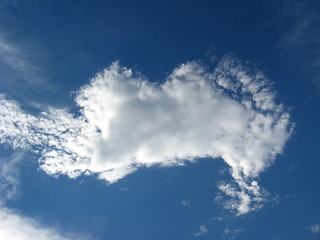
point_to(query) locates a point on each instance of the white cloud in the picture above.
(16, 227)
(315, 228)
(127, 122)
(202, 230)
(186, 203)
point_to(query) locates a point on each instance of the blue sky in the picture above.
(159, 120)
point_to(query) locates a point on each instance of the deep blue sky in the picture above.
(68, 42)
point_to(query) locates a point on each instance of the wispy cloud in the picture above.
(231, 233)
(13, 226)
(315, 228)
(301, 37)
(127, 122)
(186, 203)
(9, 177)
(202, 230)
(16, 66)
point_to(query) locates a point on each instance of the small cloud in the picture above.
(315, 228)
(242, 199)
(202, 230)
(186, 203)
(211, 54)
(231, 233)
(216, 219)
(223, 170)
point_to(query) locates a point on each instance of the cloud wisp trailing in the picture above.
(9, 177)
(14, 226)
(301, 41)
(15, 66)
(127, 122)
(202, 230)
(315, 228)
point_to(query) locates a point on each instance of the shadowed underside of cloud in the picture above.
(127, 122)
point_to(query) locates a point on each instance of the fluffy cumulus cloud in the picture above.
(127, 122)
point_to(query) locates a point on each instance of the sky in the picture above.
(159, 120)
